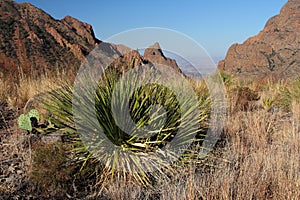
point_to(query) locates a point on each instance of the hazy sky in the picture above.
(215, 24)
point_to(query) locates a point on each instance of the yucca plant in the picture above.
(289, 94)
(136, 126)
(226, 78)
(267, 103)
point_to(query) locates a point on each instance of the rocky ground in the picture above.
(14, 155)
(6, 116)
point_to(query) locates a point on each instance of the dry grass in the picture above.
(16, 91)
(264, 151)
(260, 158)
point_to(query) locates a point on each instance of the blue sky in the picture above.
(215, 24)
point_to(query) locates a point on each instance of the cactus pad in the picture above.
(34, 113)
(24, 122)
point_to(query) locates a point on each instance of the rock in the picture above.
(7, 115)
(128, 61)
(154, 54)
(83, 29)
(32, 41)
(121, 48)
(19, 172)
(153, 57)
(51, 138)
(274, 52)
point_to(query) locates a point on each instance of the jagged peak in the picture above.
(70, 19)
(153, 52)
(155, 46)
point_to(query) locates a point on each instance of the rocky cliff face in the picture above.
(275, 51)
(128, 60)
(155, 55)
(30, 39)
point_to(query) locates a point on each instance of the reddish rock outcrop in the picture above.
(275, 51)
(83, 29)
(32, 40)
(155, 55)
(129, 60)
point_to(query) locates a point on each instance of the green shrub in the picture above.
(289, 94)
(226, 78)
(267, 103)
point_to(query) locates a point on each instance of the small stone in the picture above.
(19, 172)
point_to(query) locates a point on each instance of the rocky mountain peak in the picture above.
(32, 40)
(85, 30)
(275, 51)
(155, 46)
(127, 61)
(155, 55)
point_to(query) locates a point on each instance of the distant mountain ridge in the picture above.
(274, 52)
(153, 55)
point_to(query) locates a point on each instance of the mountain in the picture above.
(153, 56)
(30, 39)
(274, 52)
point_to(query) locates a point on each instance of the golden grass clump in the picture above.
(16, 91)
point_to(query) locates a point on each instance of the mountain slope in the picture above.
(153, 56)
(31, 39)
(275, 51)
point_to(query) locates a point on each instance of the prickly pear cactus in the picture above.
(24, 122)
(34, 113)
